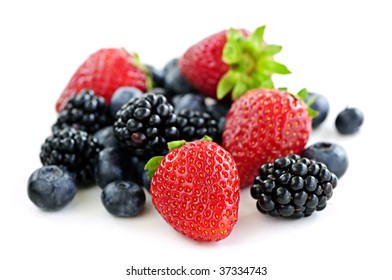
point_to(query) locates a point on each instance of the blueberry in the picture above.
(332, 155)
(174, 80)
(114, 163)
(219, 111)
(121, 96)
(192, 101)
(51, 188)
(321, 105)
(349, 121)
(141, 174)
(123, 198)
(157, 75)
(106, 137)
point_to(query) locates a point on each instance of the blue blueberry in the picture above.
(175, 82)
(193, 101)
(106, 137)
(142, 179)
(123, 198)
(332, 155)
(349, 121)
(114, 163)
(157, 75)
(219, 111)
(121, 96)
(321, 105)
(51, 188)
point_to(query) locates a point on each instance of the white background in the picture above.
(337, 48)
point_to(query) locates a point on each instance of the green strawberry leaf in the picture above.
(226, 84)
(302, 94)
(206, 138)
(312, 113)
(276, 67)
(152, 165)
(251, 63)
(176, 144)
(272, 50)
(257, 38)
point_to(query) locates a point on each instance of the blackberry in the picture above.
(145, 124)
(73, 149)
(84, 111)
(293, 187)
(194, 124)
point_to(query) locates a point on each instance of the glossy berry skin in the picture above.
(114, 163)
(293, 187)
(174, 80)
(321, 106)
(121, 96)
(106, 138)
(73, 149)
(349, 121)
(145, 125)
(104, 72)
(157, 75)
(263, 125)
(332, 155)
(196, 190)
(84, 111)
(194, 124)
(202, 63)
(194, 101)
(51, 188)
(123, 198)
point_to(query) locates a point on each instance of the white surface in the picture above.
(338, 48)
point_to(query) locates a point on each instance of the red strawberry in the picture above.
(105, 71)
(231, 61)
(265, 124)
(195, 188)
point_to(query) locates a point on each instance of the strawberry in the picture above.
(265, 124)
(195, 188)
(105, 71)
(233, 60)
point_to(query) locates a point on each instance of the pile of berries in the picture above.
(191, 135)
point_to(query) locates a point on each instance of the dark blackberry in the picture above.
(145, 124)
(194, 124)
(293, 187)
(73, 149)
(84, 111)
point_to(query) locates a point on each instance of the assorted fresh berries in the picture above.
(233, 60)
(104, 72)
(349, 121)
(212, 124)
(262, 125)
(84, 111)
(73, 149)
(293, 187)
(195, 188)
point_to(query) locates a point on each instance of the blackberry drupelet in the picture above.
(84, 111)
(145, 124)
(194, 124)
(293, 187)
(73, 149)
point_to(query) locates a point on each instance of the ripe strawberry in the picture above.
(105, 71)
(231, 61)
(265, 124)
(195, 188)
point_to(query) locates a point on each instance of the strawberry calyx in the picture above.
(154, 162)
(250, 61)
(137, 62)
(302, 95)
